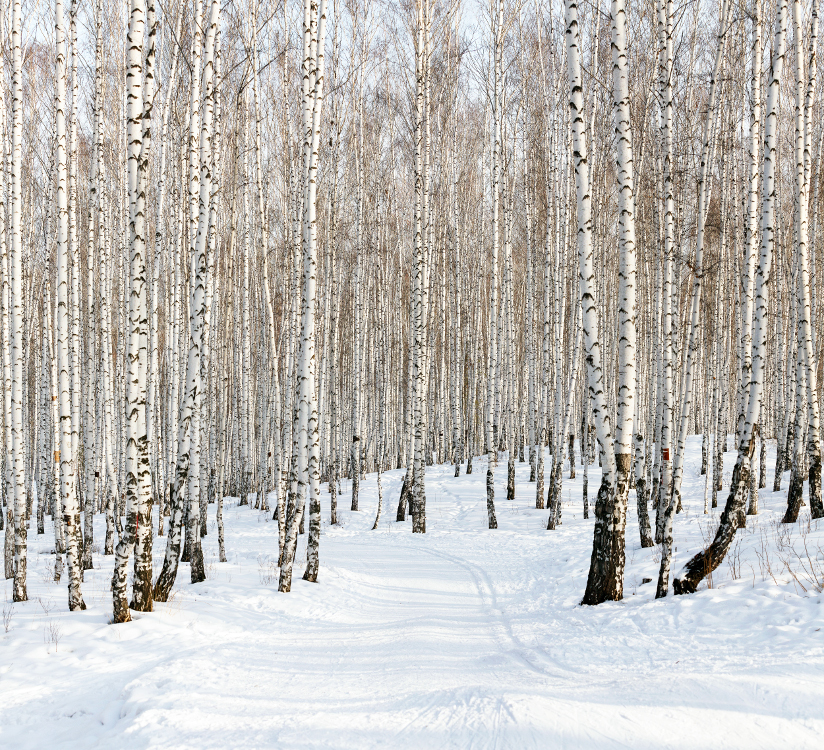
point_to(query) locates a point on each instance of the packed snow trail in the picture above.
(460, 638)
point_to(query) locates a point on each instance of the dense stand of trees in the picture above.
(250, 246)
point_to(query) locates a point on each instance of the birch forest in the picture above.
(283, 260)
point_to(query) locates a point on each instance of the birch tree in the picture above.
(703, 563)
(69, 503)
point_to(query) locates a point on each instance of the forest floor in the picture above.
(459, 638)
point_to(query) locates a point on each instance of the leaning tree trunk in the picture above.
(188, 424)
(707, 149)
(703, 563)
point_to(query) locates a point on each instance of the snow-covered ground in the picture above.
(460, 638)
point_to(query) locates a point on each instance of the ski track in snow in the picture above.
(459, 638)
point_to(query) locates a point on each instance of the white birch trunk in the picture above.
(703, 563)
(71, 511)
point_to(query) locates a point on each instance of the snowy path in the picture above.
(462, 638)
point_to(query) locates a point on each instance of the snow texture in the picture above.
(459, 638)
